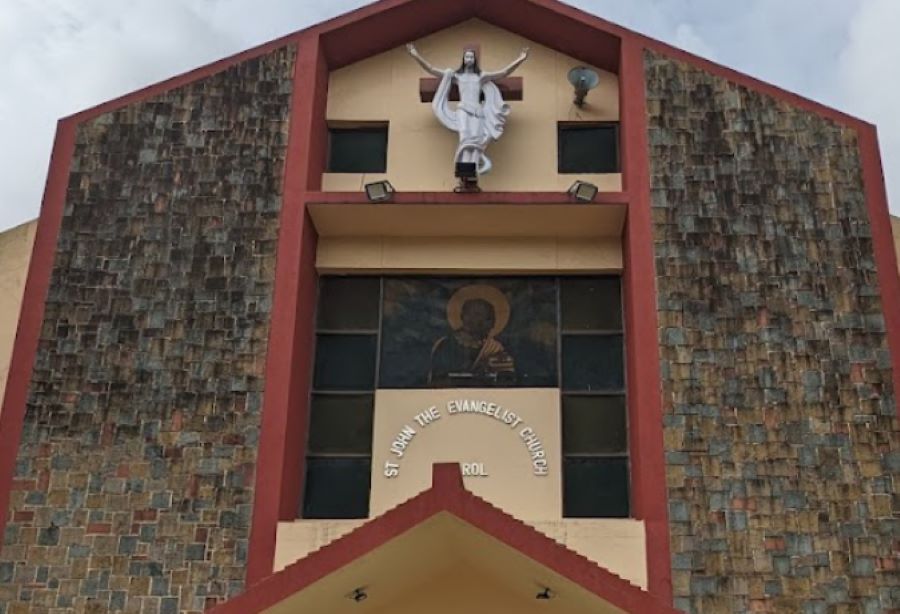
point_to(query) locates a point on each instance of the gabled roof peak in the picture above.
(447, 495)
(387, 24)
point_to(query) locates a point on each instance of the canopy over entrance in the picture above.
(445, 550)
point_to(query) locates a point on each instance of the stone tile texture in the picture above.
(135, 475)
(781, 426)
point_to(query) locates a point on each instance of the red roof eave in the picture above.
(447, 494)
(385, 24)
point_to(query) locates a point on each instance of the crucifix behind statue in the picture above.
(480, 116)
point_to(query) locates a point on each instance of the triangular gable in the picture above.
(447, 495)
(386, 24)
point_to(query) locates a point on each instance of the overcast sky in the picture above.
(61, 56)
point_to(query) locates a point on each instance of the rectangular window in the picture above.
(457, 332)
(595, 487)
(586, 147)
(594, 412)
(337, 487)
(339, 449)
(361, 149)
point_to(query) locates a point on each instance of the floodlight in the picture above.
(379, 191)
(583, 192)
(358, 595)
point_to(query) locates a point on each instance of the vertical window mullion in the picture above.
(596, 468)
(339, 448)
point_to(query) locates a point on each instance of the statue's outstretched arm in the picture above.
(505, 72)
(423, 62)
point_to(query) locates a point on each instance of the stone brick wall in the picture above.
(781, 434)
(134, 479)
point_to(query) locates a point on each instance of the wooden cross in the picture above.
(510, 87)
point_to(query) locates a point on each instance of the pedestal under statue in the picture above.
(480, 116)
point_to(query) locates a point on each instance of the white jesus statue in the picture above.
(477, 123)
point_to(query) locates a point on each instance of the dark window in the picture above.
(345, 362)
(341, 424)
(349, 303)
(593, 362)
(432, 332)
(594, 424)
(342, 403)
(337, 487)
(595, 419)
(595, 488)
(358, 150)
(588, 148)
(590, 303)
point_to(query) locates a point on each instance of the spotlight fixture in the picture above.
(467, 173)
(358, 595)
(583, 192)
(583, 79)
(379, 191)
(466, 170)
(544, 594)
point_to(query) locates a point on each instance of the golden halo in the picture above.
(486, 293)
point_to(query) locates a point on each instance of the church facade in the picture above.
(470, 306)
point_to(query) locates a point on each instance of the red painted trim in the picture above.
(480, 198)
(748, 81)
(446, 494)
(31, 316)
(186, 78)
(362, 33)
(279, 469)
(390, 23)
(316, 121)
(648, 469)
(387, 24)
(883, 245)
(561, 27)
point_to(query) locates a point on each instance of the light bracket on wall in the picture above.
(379, 191)
(583, 192)
(358, 595)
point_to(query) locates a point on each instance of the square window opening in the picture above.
(358, 149)
(588, 147)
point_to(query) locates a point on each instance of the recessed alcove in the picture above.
(392, 89)
(532, 238)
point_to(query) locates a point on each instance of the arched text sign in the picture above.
(429, 418)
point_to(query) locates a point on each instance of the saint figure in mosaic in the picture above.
(471, 355)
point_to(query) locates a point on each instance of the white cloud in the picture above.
(843, 53)
(61, 56)
(868, 80)
(687, 38)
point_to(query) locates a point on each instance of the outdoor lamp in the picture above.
(583, 79)
(359, 594)
(583, 192)
(379, 191)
